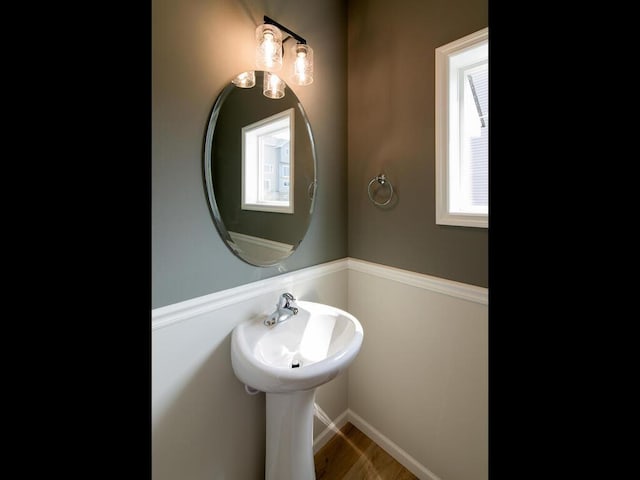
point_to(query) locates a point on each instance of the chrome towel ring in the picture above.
(382, 180)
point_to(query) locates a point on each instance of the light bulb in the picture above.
(267, 45)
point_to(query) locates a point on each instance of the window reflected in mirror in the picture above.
(267, 164)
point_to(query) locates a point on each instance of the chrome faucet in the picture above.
(284, 309)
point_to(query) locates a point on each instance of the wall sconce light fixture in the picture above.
(269, 53)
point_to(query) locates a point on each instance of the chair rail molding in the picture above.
(164, 316)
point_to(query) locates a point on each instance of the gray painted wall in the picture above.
(391, 122)
(197, 48)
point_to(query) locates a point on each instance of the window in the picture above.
(462, 131)
(267, 164)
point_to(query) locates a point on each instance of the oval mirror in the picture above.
(260, 172)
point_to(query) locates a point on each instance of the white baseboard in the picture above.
(406, 460)
(410, 463)
(328, 433)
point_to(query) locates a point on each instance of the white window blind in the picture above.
(476, 165)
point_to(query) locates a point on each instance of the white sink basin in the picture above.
(301, 353)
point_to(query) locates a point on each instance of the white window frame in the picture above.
(446, 129)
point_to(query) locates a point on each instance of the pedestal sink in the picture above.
(288, 361)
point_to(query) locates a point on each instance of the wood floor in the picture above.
(351, 455)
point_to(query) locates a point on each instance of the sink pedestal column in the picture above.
(289, 449)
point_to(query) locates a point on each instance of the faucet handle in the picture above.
(283, 303)
(284, 300)
(287, 297)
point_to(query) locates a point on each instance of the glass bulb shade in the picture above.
(269, 49)
(245, 79)
(272, 86)
(302, 59)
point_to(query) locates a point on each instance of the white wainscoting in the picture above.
(177, 312)
(419, 384)
(463, 291)
(204, 424)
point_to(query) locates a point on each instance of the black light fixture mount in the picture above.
(271, 21)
